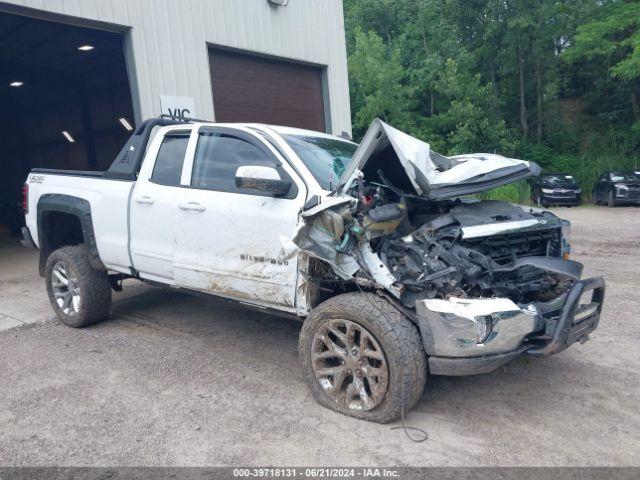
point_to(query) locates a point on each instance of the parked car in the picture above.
(395, 275)
(556, 189)
(617, 188)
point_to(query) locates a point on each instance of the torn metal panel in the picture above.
(325, 203)
(410, 165)
(378, 270)
(320, 237)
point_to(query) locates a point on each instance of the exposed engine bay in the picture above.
(424, 249)
(390, 227)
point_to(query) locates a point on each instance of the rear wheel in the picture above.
(79, 294)
(362, 357)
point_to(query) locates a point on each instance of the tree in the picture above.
(525, 76)
(612, 40)
(376, 83)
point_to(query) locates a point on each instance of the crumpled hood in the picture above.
(389, 156)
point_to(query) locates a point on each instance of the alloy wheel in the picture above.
(349, 364)
(65, 289)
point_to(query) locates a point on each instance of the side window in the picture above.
(168, 167)
(218, 156)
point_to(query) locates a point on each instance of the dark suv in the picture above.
(615, 188)
(556, 189)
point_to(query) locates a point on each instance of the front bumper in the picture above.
(551, 199)
(627, 199)
(453, 331)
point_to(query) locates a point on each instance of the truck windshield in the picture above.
(326, 158)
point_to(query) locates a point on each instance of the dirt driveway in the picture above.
(178, 380)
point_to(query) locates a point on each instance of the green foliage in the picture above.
(376, 84)
(553, 82)
(613, 36)
(519, 192)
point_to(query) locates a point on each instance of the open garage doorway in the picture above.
(65, 99)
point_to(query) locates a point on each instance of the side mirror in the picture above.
(262, 179)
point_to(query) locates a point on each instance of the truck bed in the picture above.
(71, 173)
(108, 198)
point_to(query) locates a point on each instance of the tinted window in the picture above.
(168, 167)
(219, 155)
(558, 180)
(326, 158)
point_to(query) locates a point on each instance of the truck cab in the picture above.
(212, 208)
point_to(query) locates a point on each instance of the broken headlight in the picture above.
(483, 327)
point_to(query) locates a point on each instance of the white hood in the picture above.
(389, 156)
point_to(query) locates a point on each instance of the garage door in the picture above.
(247, 88)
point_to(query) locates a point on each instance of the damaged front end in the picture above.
(485, 281)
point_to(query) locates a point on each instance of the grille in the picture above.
(503, 249)
(633, 193)
(563, 194)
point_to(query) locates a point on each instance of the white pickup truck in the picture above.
(396, 269)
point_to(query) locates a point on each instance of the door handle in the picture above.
(194, 206)
(145, 199)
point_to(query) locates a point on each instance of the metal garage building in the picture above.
(76, 75)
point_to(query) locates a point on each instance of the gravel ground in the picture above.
(178, 380)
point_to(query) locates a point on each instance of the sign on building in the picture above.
(178, 107)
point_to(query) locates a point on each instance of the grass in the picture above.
(518, 192)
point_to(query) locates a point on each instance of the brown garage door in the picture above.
(247, 88)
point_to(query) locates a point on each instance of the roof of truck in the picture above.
(280, 129)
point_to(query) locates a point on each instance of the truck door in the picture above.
(234, 241)
(154, 206)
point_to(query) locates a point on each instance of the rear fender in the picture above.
(74, 206)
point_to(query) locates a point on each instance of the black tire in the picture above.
(92, 287)
(398, 338)
(611, 202)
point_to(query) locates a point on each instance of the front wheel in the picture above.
(362, 357)
(79, 294)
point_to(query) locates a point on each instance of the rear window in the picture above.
(168, 167)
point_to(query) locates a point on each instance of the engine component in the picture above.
(435, 261)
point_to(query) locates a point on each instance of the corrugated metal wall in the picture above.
(169, 40)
